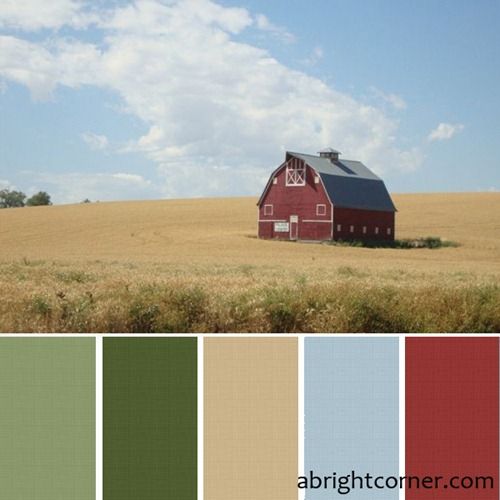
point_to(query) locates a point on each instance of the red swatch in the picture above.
(452, 424)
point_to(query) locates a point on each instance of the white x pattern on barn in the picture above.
(295, 173)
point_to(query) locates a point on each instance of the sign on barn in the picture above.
(281, 227)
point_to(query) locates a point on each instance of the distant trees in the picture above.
(15, 199)
(39, 199)
(11, 199)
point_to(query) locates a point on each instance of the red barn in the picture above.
(324, 198)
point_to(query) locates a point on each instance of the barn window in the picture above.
(351, 229)
(268, 210)
(388, 231)
(339, 227)
(275, 180)
(316, 180)
(376, 230)
(320, 209)
(364, 229)
(295, 173)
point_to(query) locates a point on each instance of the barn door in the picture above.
(294, 227)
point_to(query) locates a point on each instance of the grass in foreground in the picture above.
(42, 297)
(196, 265)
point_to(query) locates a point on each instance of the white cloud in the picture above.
(28, 64)
(315, 57)
(394, 100)
(4, 184)
(132, 178)
(220, 113)
(74, 187)
(279, 32)
(32, 15)
(94, 141)
(153, 17)
(445, 131)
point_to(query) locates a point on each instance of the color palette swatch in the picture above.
(251, 419)
(47, 418)
(452, 405)
(351, 410)
(150, 418)
(240, 418)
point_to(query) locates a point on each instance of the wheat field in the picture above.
(196, 265)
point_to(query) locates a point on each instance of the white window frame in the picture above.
(275, 180)
(389, 231)
(351, 229)
(295, 175)
(321, 209)
(364, 229)
(376, 229)
(266, 209)
(316, 179)
(339, 228)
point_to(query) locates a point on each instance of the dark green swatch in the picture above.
(150, 418)
(47, 418)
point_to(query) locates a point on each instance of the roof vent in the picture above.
(331, 154)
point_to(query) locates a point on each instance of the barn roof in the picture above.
(350, 184)
(344, 168)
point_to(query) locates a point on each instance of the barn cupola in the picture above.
(331, 154)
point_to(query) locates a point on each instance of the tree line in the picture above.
(13, 199)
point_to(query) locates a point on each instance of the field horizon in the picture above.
(197, 265)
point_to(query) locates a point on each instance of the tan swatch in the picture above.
(250, 419)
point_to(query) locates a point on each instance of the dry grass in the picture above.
(195, 265)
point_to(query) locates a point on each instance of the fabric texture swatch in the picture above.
(250, 419)
(452, 426)
(47, 418)
(150, 418)
(351, 407)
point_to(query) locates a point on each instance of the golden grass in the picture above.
(222, 231)
(98, 267)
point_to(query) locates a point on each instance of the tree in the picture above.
(11, 199)
(39, 199)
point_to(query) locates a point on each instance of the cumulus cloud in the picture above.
(28, 64)
(32, 15)
(394, 100)
(315, 57)
(219, 113)
(132, 179)
(4, 184)
(73, 187)
(154, 17)
(279, 32)
(94, 141)
(445, 131)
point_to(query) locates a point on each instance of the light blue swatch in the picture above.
(351, 412)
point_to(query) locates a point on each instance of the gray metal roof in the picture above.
(350, 184)
(348, 168)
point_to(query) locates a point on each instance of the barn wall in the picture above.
(347, 217)
(315, 231)
(296, 200)
(266, 230)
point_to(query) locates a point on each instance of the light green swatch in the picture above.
(47, 418)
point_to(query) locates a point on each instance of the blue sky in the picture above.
(164, 99)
